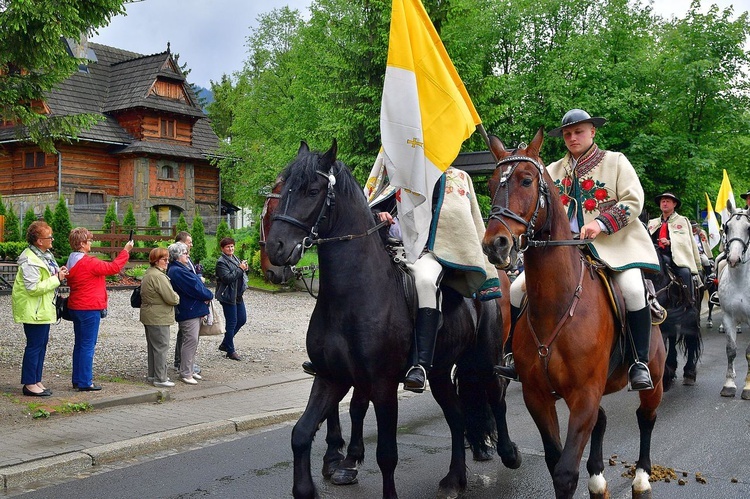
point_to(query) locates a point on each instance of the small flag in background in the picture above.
(425, 116)
(725, 194)
(714, 236)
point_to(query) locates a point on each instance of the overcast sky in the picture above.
(210, 35)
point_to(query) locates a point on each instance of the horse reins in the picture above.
(743, 242)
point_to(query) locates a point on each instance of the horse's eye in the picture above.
(313, 192)
(526, 182)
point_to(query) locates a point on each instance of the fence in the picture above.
(117, 236)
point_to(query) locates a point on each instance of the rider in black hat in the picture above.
(603, 197)
(672, 235)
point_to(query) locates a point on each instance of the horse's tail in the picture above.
(481, 432)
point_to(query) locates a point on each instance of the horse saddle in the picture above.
(395, 249)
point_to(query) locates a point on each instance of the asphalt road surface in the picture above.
(697, 431)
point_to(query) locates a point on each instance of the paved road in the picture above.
(696, 431)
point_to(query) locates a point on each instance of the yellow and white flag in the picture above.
(425, 116)
(714, 235)
(725, 194)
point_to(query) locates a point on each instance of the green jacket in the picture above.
(157, 298)
(33, 299)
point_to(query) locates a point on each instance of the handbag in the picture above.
(61, 307)
(135, 297)
(213, 323)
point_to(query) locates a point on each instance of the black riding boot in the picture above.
(639, 323)
(309, 368)
(425, 336)
(508, 368)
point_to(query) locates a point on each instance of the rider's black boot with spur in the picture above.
(508, 368)
(425, 336)
(639, 323)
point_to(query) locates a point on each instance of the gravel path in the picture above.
(272, 341)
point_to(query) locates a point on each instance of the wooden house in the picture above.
(152, 148)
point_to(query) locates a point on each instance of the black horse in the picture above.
(681, 328)
(361, 328)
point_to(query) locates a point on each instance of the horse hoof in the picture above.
(746, 394)
(710, 324)
(688, 381)
(513, 461)
(646, 494)
(447, 493)
(728, 391)
(344, 476)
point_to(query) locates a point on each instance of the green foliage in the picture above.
(2, 207)
(222, 231)
(12, 227)
(48, 216)
(109, 218)
(11, 250)
(153, 221)
(209, 266)
(199, 250)
(28, 218)
(129, 222)
(255, 266)
(137, 272)
(61, 227)
(182, 224)
(34, 60)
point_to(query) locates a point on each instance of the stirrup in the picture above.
(507, 369)
(414, 385)
(641, 385)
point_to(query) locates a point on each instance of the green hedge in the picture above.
(11, 250)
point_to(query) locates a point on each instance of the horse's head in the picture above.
(307, 211)
(274, 273)
(737, 234)
(520, 199)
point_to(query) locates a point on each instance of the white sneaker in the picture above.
(197, 376)
(189, 381)
(164, 384)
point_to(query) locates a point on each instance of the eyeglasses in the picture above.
(165, 259)
(50, 237)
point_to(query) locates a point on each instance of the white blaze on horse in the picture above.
(735, 303)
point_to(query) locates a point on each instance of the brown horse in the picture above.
(564, 338)
(274, 273)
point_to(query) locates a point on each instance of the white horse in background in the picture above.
(734, 283)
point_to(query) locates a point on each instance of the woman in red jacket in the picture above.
(88, 302)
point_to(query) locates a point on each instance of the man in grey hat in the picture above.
(603, 196)
(746, 197)
(672, 235)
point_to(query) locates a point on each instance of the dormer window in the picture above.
(167, 170)
(168, 128)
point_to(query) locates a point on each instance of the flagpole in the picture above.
(486, 137)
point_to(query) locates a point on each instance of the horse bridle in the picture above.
(525, 240)
(271, 195)
(744, 242)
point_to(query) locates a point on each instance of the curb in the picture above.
(67, 465)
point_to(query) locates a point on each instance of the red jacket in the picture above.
(87, 283)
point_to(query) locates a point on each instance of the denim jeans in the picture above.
(37, 336)
(86, 330)
(236, 317)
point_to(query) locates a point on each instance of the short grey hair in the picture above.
(176, 250)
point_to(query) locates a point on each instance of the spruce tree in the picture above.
(182, 224)
(49, 217)
(12, 227)
(198, 252)
(61, 227)
(109, 217)
(222, 231)
(153, 221)
(28, 218)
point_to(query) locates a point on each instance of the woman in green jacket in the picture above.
(33, 303)
(158, 300)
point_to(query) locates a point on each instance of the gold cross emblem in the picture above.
(414, 143)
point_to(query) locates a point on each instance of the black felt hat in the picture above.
(669, 195)
(745, 195)
(575, 116)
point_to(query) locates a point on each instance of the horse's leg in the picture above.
(730, 388)
(709, 319)
(690, 371)
(335, 441)
(595, 463)
(584, 413)
(671, 363)
(385, 400)
(346, 472)
(746, 388)
(541, 406)
(324, 397)
(506, 448)
(646, 415)
(445, 395)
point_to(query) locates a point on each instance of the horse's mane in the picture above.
(305, 167)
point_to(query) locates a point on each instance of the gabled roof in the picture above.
(121, 80)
